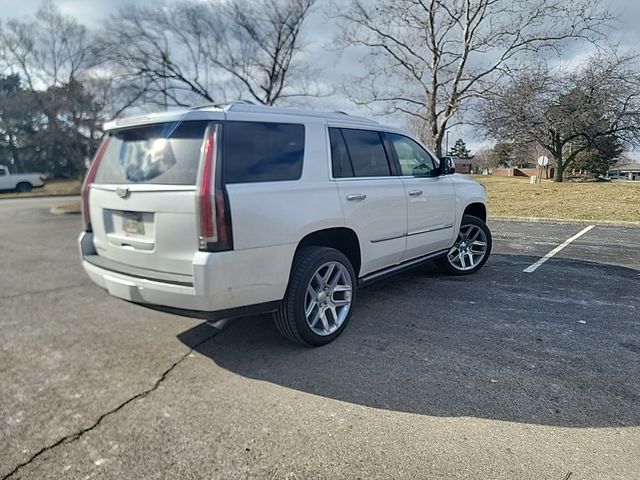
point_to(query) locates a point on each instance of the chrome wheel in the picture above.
(328, 298)
(470, 248)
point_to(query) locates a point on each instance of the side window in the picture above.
(414, 160)
(262, 152)
(3, 172)
(340, 161)
(367, 154)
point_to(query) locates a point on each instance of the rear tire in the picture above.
(318, 304)
(471, 250)
(24, 187)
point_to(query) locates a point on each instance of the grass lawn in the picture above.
(515, 196)
(51, 187)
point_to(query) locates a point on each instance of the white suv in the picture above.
(246, 209)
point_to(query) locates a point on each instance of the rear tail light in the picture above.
(213, 212)
(88, 180)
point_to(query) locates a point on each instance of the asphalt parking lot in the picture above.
(504, 374)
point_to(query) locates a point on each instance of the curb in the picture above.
(13, 196)
(565, 221)
(63, 210)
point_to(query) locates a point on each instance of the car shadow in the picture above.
(559, 347)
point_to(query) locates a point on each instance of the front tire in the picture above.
(321, 292)
(471, 250)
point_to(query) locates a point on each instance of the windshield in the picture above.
(167, 153)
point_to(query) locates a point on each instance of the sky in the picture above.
(87, 11)
(319, 41)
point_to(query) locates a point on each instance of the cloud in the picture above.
(321, 50)
(87, 12)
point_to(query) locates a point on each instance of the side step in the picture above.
(401, 267)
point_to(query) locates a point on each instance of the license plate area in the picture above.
(133, 223)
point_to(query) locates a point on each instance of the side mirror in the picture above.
(447, 166)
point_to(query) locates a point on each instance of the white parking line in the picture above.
(535, 266)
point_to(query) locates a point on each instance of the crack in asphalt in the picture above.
(77, 435)
(39, 292)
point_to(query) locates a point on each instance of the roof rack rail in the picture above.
(242, 102)
(341, 112)
(222, 105)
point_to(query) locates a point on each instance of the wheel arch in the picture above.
(342, 239)
(24, 182)
(476, 209)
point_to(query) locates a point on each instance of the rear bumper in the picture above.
(225, 284)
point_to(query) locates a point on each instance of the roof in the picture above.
(628, 167)
(204, 112)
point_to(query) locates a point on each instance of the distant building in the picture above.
(627, 171)
(467, 165)
(463, 165)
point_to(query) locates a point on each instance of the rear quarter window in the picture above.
(262, 152)
(167, 153)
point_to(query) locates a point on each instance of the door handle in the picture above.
(354, 197)
(415, 193)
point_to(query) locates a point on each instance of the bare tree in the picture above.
(51, 55)
(266, 38)
(430, 58)
(51, 49)
(568, 113)
(179, 53)
(162, 53)
(486, 159)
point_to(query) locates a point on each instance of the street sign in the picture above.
(543, 161)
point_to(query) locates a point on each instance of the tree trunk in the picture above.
(15, 153)
(437, 146)
(559, 173)
(560, 163)
(560, 166)
(438, 138)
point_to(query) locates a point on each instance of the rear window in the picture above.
(262, 152)
(167, 153)
(367, 153)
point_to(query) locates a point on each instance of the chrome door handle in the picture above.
(415, 193)
(356, 197)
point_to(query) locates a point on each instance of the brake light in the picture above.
(213, 214)
(88, 180)
(208, 231)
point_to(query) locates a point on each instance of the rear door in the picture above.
(372, 196)
(143, 199)
(430, 198)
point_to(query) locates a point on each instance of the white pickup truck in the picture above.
(22, 182)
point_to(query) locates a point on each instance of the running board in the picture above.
(408, 265)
